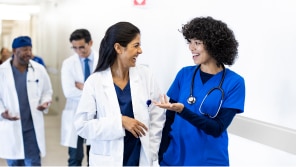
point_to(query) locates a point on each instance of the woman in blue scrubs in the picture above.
(203, 99)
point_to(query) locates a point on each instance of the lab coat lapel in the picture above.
(11, 88)
(136, 90)
(96, 58)
(140, 109)
(109, 91)
(78, 69)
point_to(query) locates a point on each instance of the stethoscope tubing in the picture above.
(191, 99)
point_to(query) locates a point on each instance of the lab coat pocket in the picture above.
(11, 139)
(33, 88)
(101, 147)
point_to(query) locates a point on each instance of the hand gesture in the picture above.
(43, 106)
(134, 126)
(6, 115)
(164, 103)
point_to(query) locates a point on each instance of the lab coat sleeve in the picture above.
(157, 120)
(68, 80)
(46, 93)
(2, 107)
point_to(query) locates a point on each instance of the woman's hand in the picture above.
(134, 126)
(164, 103)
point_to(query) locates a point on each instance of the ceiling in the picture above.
(21, 2)
(8, 24)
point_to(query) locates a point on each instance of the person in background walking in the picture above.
(26, 94)
(5, 54)
(75, 70)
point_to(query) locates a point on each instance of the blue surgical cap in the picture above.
(21, 41)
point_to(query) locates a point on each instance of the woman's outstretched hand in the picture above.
(164, 103)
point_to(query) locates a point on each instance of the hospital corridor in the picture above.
(262, 134)
(243, 152)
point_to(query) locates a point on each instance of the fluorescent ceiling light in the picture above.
(17, 12)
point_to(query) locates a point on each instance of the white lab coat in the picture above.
(39, 91)
(106, 133)
(72, 72)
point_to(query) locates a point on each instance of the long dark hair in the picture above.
(122, 33)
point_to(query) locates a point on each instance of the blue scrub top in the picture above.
(39, 60)
(132, 145)
(190, 146)
(29, 136)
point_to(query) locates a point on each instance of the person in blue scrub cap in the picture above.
(203, 99)
(25, 96)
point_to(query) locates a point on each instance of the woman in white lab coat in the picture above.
(127, 129)
(39, 92)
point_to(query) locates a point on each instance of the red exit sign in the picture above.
(139, 2)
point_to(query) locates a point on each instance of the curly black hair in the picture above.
(217, 38)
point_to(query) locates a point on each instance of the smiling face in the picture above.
(127, 56)
(22, 55)
(199, 53)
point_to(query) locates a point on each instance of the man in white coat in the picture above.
(25, 95)
(75, 70)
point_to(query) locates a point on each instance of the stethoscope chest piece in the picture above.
(191, 99)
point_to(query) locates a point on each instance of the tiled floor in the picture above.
(242, 152)
(56, 155)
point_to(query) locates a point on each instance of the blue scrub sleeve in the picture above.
(211, 126)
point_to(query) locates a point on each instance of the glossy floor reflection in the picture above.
(242, 152)
(56, 154)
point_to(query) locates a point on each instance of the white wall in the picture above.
(265, 30)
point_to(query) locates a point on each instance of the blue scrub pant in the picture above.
(32, 153)
(24, 162)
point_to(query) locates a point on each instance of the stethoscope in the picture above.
(191, 99)
(30, 66)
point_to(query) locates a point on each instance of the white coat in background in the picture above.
(106, 133)
(39, 91)
(72, 72)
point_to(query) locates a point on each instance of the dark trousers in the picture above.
(87, 154)
(76, 154)
(32, 153)
(25, 162)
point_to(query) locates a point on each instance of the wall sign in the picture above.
(139, 2)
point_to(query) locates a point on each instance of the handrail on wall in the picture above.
(272, 135)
